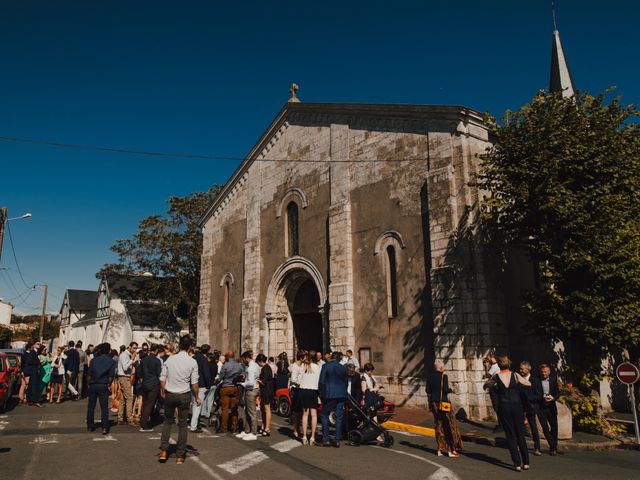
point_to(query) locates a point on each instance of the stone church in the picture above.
(350, 226)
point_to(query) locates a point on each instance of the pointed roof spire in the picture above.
(560, 79)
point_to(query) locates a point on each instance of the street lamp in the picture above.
(3, 222)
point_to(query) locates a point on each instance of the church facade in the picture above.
(351, 227)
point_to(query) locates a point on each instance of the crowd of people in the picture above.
(153, 383)
(47, 376)
(520, 399)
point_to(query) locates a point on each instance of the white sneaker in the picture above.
(241, 435)
(250, 436)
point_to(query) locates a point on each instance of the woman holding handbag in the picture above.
(447, 434)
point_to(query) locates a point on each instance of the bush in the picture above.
(586, 410)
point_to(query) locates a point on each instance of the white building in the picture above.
(5, 312)
(121, 313)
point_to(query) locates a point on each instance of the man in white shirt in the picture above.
(178, 379)
(125, 405)
(349, 359)
(251, 392)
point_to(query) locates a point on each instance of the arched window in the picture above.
(392, 282)
(226, 296)
(293, 245)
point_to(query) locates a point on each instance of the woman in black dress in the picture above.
(267, 391)
(507, 388)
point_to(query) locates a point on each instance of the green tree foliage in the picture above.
(5, 335)
(563, 179)
(169, 246)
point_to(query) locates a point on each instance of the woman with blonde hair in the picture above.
(57, 375)
(308, 392)
(447, 434)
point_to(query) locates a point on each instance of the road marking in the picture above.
(201, 464)
(44, 439)
(43, 423)
(158, 437)
(4, 423)
(200, 435)
(243, 462)
(443, 473)
(285, 446)
(4, 416)
(105, 438)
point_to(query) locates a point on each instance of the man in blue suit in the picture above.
(333, 391)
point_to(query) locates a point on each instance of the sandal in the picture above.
(267, 433)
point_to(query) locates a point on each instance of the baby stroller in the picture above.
(211, 408)
(362, 428)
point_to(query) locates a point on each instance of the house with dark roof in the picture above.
(125, 308)
(76, 305)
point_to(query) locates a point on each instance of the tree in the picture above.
(5, 335)
(563, 179)
(170, 247)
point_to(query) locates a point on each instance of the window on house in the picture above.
(226, 298)
(392, 282)
(293, 246)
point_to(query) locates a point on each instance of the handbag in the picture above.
(443, 406)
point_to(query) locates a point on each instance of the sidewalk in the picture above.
(420, 421)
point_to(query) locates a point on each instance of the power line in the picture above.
(15, 258)
(10, 281)
(128, 151)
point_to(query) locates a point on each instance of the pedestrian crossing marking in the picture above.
(106, 438)
(44, 439)
(285, 446)
(243, 462)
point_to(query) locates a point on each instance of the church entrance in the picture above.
(295, 309)
(307, 319)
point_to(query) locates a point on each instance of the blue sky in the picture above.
(207, 77)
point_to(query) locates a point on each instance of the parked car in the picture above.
(9, 377)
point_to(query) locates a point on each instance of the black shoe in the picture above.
(197, 430)
(105, 431)
(553, 453)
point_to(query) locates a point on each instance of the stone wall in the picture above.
(416, 193)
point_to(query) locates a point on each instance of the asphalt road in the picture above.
(53, 443)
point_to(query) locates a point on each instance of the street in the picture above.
(52, 442)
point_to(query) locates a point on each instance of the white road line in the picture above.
(243, 462)
(201, 464)
(105, 438)
(443, 473)
(158, 437)
(4, 416)
(201, 435)
(43, 423)
(44, 439)
(4, 423)
(285, 446)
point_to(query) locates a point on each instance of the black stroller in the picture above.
(361, 426)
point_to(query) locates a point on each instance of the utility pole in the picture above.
(44, 308)
(3, 220)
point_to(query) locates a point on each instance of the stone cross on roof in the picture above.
(294, 92)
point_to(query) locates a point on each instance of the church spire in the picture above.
(561, 79)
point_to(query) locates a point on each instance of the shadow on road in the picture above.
(473, 455)
(5, 450)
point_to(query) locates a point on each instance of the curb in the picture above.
(405, 427)
(564, 445)
(500, 442)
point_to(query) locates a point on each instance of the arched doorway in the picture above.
(295, 309)
(307, 319)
